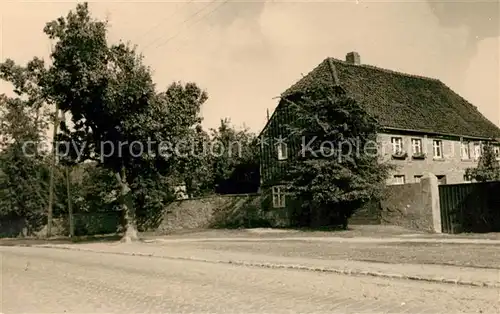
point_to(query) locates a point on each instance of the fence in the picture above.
(85, 224)
(470, 207)
(97, 223)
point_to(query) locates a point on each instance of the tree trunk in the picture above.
(127, 206)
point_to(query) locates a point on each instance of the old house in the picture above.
(426, 127)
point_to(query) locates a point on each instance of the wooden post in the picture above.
(70, 207)
(52, 170)
(68, 194)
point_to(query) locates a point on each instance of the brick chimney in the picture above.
(353, 58)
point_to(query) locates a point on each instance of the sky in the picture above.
(245, 53)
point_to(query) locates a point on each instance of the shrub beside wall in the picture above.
(97, 223)
(85, 224)
(11, 226)
(369, 214)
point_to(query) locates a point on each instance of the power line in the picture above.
(263, 1)
(205, 37)
(196, 22)
(161, 21)
(184, 22)
(215, 9)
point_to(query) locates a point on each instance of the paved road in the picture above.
(477, 255)
(41, 280)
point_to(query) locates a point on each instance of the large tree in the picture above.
(119, 119)
(235, 158)
(194, 170)
(488, 168)
(24, 122)
(337, 169)
(23, 172)
(222, 161)
(93, 188)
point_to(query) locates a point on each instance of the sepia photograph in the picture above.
(249, 156)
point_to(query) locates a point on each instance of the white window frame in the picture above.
(417, 178)
(397, 143)
(496, 150)
(478, 150)
(465, 179)
(282, 151)
(417, 143)
(437, 149)
(278, 196)
(397, 177)
(442, 176)
(465, 150)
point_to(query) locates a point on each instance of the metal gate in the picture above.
(470, 207)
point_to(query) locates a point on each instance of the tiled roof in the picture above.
(402, 101)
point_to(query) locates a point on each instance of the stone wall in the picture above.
(220, 211)
(413, 206)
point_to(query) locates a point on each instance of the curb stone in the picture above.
(389, 240)
(345, 271)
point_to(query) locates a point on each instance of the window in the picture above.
(397, 145)
(477, 150)
(467, 179)
(416, 145)
(465, 151)
(496, 150)
(180, 192)
(437, 146)
(278, 197)
(441, 179)
(417, 178)
(282, 151)
(399, 179)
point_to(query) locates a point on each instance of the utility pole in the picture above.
(52, 170)
(53, 165)
(68, 194)
(70, 208)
